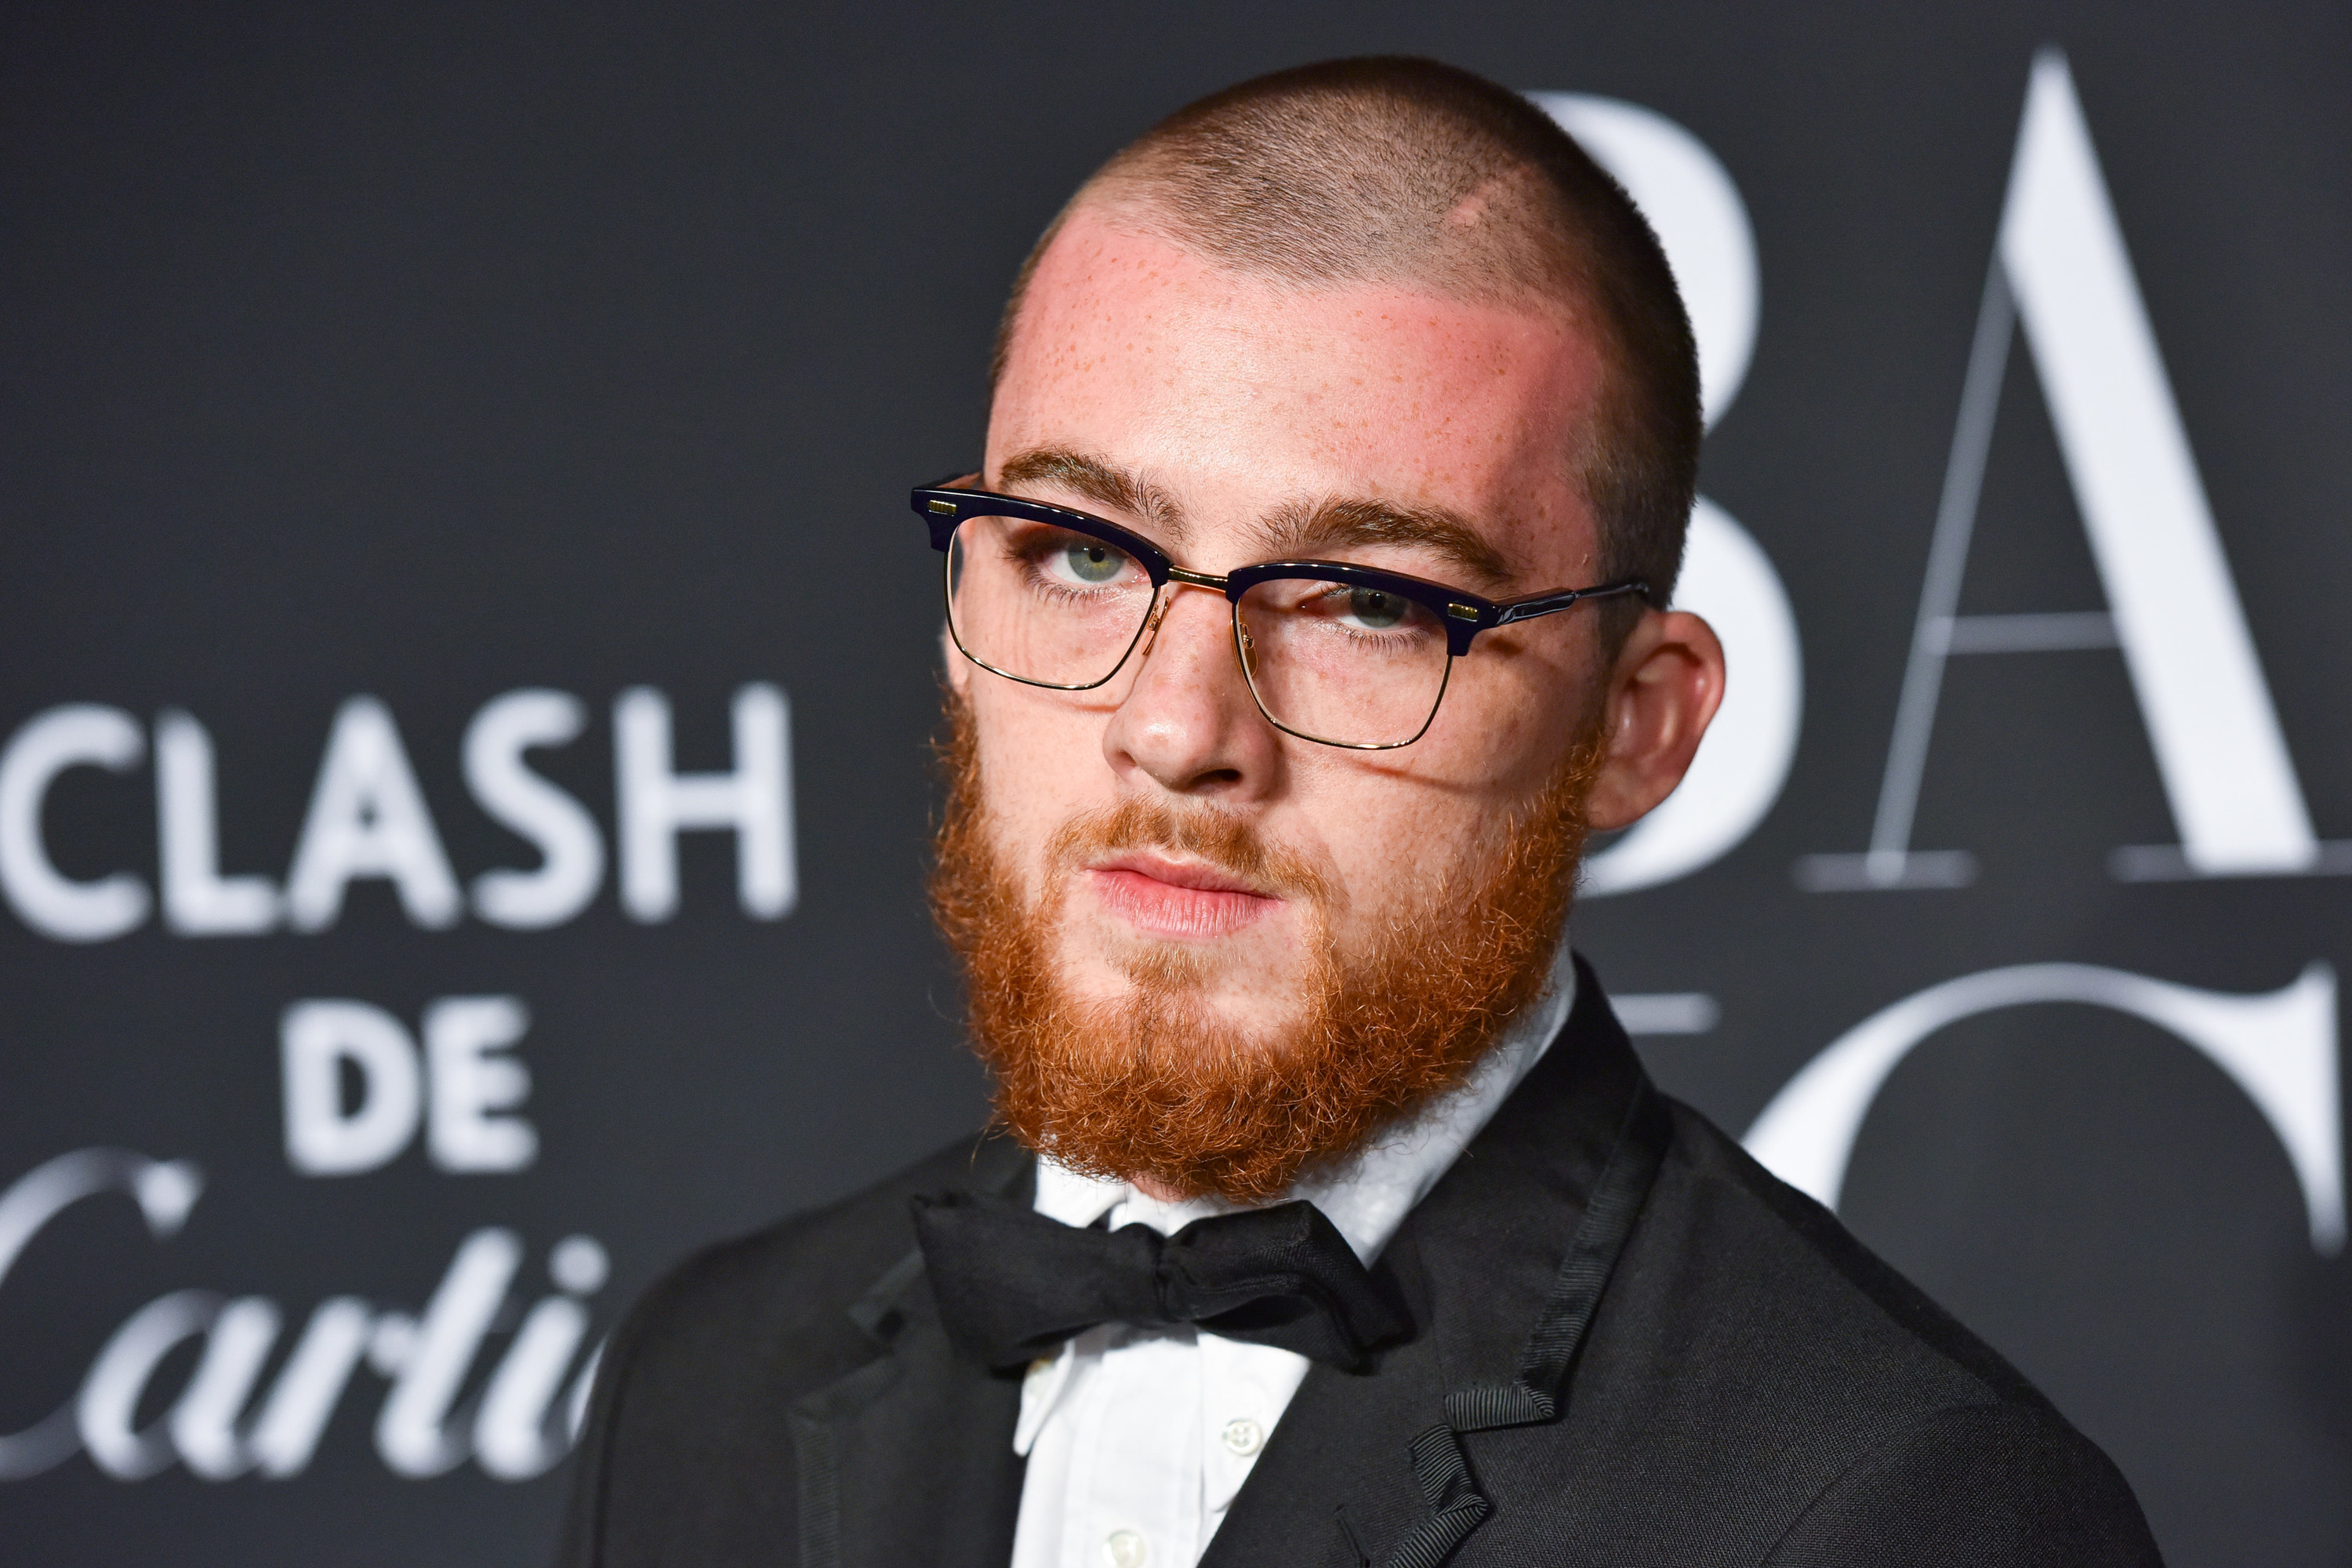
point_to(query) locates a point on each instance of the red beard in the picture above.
(1157, 1085)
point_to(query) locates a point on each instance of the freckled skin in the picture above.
(1236, 396)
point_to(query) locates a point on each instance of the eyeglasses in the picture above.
(1335, 653)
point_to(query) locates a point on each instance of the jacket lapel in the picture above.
(1373, 1468)
(907, 1461)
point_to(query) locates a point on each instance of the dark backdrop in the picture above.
(433, 354)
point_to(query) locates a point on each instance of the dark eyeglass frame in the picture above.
(1464, 615)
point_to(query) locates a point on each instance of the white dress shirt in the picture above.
(1138, 1440)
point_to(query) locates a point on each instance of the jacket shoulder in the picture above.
(1994, 1486)
(1826, 1290)
(1811, 1401)
(689, 1422)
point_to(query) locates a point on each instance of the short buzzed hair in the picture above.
(1394, 170)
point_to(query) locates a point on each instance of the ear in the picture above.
(1666, 686)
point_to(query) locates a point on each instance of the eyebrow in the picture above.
(1102, 483)
(1293, 530)
(1338, 525)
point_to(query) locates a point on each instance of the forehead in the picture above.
(1237, 395)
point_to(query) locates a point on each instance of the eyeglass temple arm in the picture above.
(1536, 605)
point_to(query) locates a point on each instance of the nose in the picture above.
(1188, 722)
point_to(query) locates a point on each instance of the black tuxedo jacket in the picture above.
(1754, 1387)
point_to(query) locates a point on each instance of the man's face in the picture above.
(1236, 415)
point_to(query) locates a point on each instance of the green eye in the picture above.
(1093, 562)
(1374, 610)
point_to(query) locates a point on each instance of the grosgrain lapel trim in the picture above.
(912, 1397)
(1457, 1505)
(816, 1455)
(1535, 1396)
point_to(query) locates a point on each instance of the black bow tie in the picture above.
(1012, 1284)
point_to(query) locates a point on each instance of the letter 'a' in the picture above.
(2061, 272)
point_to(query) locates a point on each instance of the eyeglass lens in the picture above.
(1326, 660)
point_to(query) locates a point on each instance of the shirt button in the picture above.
(1126, 1549)
(1244, 1437)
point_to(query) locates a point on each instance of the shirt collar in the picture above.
(1367, 1195)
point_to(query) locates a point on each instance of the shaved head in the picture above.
(1414, 174)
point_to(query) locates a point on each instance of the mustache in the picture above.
(1226, 842)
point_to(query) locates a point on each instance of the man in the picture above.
(1306, 611)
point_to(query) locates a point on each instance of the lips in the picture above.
(1179, 899)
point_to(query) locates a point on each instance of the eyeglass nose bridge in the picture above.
(1178, 577)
